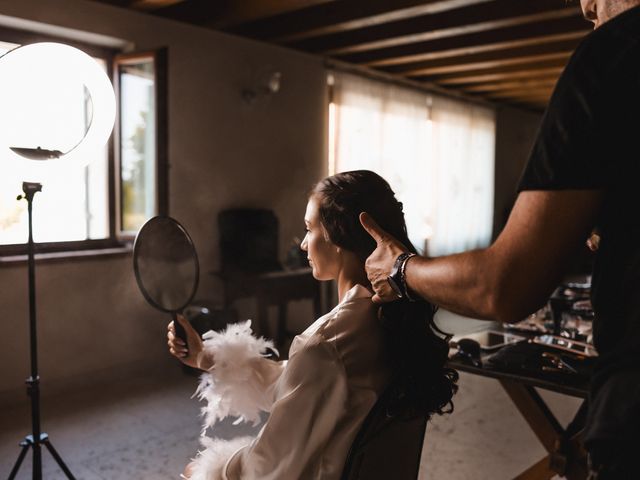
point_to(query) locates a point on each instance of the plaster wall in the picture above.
(93, 324)
(515, 133)
(223, 153)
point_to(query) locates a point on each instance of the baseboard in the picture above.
(96, 378)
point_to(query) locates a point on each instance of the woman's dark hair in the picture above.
(420, 383)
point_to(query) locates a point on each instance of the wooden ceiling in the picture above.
(505, 51)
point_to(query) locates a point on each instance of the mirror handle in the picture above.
(180, 332)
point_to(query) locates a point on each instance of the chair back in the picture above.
(248, 240)
(386, 447)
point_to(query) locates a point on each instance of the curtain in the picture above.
(437, 154)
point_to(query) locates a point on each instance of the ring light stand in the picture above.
(19, 63)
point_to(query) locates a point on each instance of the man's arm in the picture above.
(511, 278)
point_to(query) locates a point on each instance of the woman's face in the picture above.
(323, 255)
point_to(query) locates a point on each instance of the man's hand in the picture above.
(380, 262)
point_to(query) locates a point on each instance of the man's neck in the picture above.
(601, 11)
(613, 8)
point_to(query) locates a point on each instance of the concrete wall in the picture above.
(515, 132)
(92, 320)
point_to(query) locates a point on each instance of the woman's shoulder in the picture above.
(354, 325)
(355, 311)
(350, 336)
(353, 321)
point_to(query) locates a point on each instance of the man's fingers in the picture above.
(377, 299)
(372, 228)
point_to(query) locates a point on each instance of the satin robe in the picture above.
(321, 395)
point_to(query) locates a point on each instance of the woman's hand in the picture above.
(188, 471)
(192, 355)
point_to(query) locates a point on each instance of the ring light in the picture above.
(29, 70)
(72, 66)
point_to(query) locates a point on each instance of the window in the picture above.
(437, 154)
(125, 183)
(55, 117)
(142, 147)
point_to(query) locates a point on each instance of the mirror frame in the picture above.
(136, 253)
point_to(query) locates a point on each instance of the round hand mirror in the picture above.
(166, 266)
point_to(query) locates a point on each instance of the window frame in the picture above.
(110, 56)
(159, 57)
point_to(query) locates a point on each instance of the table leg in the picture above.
(281, 331)
(537, 471)
(263, 315)
(536, 413)
(576, 468)
(570, 463)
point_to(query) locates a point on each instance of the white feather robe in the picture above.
(317, 400)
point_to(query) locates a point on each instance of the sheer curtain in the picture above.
(437, 154)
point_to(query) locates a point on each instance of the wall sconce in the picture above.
(267, 86)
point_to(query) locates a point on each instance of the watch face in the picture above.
(394, 285)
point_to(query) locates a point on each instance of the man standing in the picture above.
(583, 173)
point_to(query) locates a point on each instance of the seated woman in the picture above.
(340, 365)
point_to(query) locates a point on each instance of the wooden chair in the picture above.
(250, 268)
(248, 247)
(386, 447)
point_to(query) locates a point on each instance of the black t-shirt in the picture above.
(590, 139)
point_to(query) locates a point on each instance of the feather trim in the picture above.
(210, 462)
(236, 384)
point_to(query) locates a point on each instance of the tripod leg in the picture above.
(37, 461)
(25, 446)
(58, 459)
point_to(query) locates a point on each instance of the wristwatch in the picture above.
(397, 279)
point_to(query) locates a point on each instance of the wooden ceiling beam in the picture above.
(342, 16)
(194, 11)
(541, 99)
(486, 88)
(543, 95)
(521, 93)
(243, 11)
(498, 48)
(501, 75)
(521, 35)
(117, 3)
(226, 13)
(150, 5)
(532, 60)
(468, 20)
(509, 54)
(503, 51)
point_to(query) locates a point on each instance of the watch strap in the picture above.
(403, 277)
(397, 279)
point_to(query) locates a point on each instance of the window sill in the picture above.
(72, 255)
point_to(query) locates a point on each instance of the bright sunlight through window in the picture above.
(436, 153)
(73, 204)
